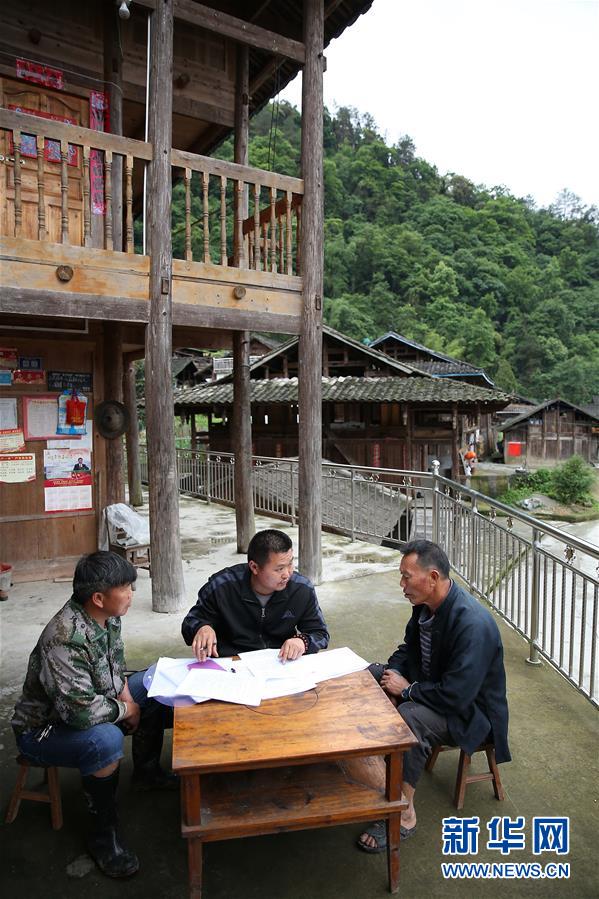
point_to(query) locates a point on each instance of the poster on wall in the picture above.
(11, 440)
(81, 381)
(24, 376)
(8, 413)
(67, 480)
(8, 357)
(30, 363)
(40, 416)
(5, 377)
(17, 468)
(85, 441)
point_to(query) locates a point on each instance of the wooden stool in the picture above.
(51, 794)
(463, 778)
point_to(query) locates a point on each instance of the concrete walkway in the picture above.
(554, 737)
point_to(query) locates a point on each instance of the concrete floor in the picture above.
(554, 735)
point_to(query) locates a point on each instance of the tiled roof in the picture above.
(440, 366)
(511, 422)
(350, 390)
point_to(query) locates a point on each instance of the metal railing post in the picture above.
(353, 508)
(533, 658)
(473, 544)
(436, 492)
(208, 478)
(292, 503)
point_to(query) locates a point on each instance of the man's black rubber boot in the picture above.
(103, 844)
(146, 748)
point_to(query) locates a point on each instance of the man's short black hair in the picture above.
(100, 571)
(263, 543)
(429, 554)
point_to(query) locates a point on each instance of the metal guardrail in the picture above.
(542, 580)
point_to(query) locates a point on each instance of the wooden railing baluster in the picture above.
(298, 243)
(206, 216)
(87, 216)
(223, 220)
(41, 198)
(288, 234)
(129, 202)
(257, 227)
(17, 182)
(238, 254)
(64, 191)
(188, 252)
(108, 199)
(281, 257)
(273, 230)
(265, 243)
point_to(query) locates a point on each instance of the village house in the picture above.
(103, 106)
(377, 411)
(549, 434)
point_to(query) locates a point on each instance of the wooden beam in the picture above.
(236, 29)
(242, 412)
(132, 435)
(310, 341)
(59, 304)
(113, 390)
(168, 588)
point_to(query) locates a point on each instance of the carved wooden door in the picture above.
(49, 104)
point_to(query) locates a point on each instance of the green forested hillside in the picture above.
(468, 270)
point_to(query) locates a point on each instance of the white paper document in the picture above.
(316, 666)
(228, 686)
(266, 663)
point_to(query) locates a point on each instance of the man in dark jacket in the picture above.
(447, 676)
(263, 604)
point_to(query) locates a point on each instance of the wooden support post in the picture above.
(455, 443)
(193, 432)
(168, 588)
(113, 81)
(113, 390)
(242, 425)
(132, 436)
(310, 341)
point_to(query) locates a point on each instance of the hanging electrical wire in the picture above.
(274, 122)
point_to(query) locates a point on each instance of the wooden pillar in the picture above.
(193, 431)
(132, 436)
(455, 443)
(113, 390)
(310, 341)
(168, 589)
(409, 435)
(113, 86)
(242, 425)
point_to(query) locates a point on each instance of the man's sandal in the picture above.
(378, 832)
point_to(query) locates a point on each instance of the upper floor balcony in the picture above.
(73, 229)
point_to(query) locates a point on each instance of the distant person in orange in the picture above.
(470, 459)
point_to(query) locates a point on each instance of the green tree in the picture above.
(572, 481)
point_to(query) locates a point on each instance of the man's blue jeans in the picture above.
(89, 750)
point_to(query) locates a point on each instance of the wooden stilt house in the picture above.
(103, 106)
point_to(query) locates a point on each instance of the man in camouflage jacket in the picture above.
(77, 704)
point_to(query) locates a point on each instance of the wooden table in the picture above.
(289, 764)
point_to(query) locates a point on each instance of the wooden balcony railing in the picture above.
(71, 185)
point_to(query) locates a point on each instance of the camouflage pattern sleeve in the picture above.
(69, 675)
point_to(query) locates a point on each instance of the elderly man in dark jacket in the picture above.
(447, 677)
